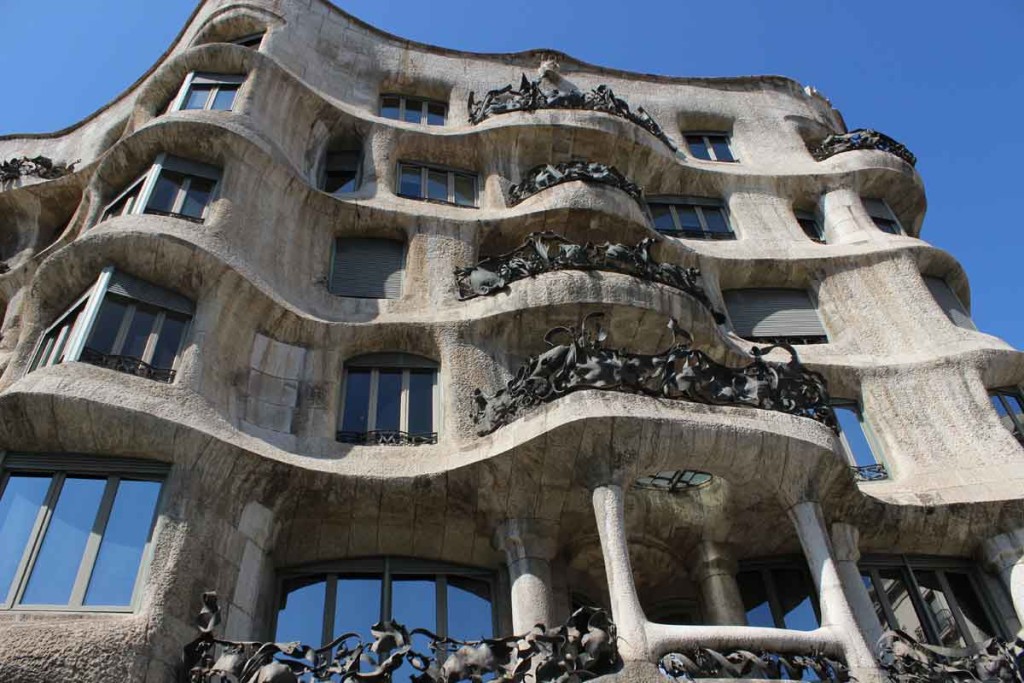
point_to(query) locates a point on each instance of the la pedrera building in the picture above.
(328, 355)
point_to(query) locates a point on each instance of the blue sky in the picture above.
(944, 78)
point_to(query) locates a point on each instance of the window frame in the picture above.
(450, 172)
(698, 204)
(402, 106)
(249, 40)
(876, 472)
(765, 567)
(706, 136)
(334, 263)
(884, 213)
(147, 183)
(803, 217)
(367, 362)
(322, 175)
(59, 467)
(1003, 394)
(218, 81)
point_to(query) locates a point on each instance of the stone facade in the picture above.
(259, 482)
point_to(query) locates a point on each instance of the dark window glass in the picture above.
(197, 96)
(662, 217)
(389, 400)
(108, 322)
(357, 400)
(720, 144)
(224, 98)
(796, 598)
(411, 182)
(302, 617)
(436, 114)
(138, 332)
(358, 605)
(120, 553)
(755, 599)
(166, 191)
(715, 219)
(938, 604)
(853, 431)
(123, 205)
(421, 401)
(1009, 406)
(413, 110)
(967, 600)
(896, 589)
(389, 107)
(197, 197)
(413, 604)
(169, 341)
(697, 147)
(886, 225)
(339, 181)
(465, 190)
(437, 185)
(469, 609)
(811, 228)
(19, 506)
(688, 219)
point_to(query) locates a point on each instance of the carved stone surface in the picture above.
(862, 138)
(544, 252)
(547, 175)
(580, 649)
(530, 97)
(705, 663)
(577, 359)
(40, 166)
(907, 661)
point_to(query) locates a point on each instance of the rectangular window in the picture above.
(709, 146)
(704, 219)
(774, 316)
(413, 110)
(367, 268)
(1009, 405)
(779, 595)
(172, 187)
(437, 184)
(811, 226)
(854, 436)
(884, 218)
(341, 171)
(949, 302)
(75, 532)
(210, 92)
(393, 402)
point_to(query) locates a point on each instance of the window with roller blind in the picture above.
(949, 303)
(367, 268)
(774, 316)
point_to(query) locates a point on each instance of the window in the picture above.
(885, 220)
(413, 110)
(935, 600)
(454, 602)
(1009, 404)
(341, 171)
(709, 146)
(811, 226)
(172, 187)
(75, 532)
(208, 91)
(122, 323)
(367, 268)
(773, 316)
(435, 184)
(253, 40)
(854, 435)
(389, 398)
(779, 594)
(949, 302)
(673, 481)
(704, 219)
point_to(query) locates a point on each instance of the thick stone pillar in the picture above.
(846, 546)
(845, 219)
(1004, 555)
(715, 572)
(529, 545)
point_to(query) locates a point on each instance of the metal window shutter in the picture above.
(367, 268)
(83, 464)
(133, 288)
(950, 305)
(773, 313)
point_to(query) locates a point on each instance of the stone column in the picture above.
(1004, 555)
(845, 219)
(529, 545)
(715, 572)
(846, 545)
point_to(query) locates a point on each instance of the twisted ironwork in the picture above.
(876, 472)
(577, 359)
(543, 252)
(387, 437)
(40, 166)
(906, 660)
(126, 364)
(542, 177)
(862, 138)
(530, 97)
(706, 663)
(582, 648)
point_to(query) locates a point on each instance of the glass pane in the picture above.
(469, 609)
(358, 606)
(413, 110)
(421, 401)
(357, 401)
(853, 431)
(715, 218)
(697, 147)
(122, 205)
(886, 225)
(895, 587)
(340, 181)
(138, 332)
(224, 98)
(876, 601)
(935, 600)
(108, 322)
(1008, 406)
(19, 507)
(437, 185)
(56, 567)
(810, 228)
(197, 96)
(410, 184)
(169, 341)
(720, 144)
(389, 107)
(302, 617)
(197, 197)
(662, 217)
(117, 564)
(465, 190)
(413, 604)
(165, 192)
(435, 113)
(970, 606)
(389, 400)
(755, 599)
(796, 596)
(688, 219)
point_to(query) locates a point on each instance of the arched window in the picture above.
(389, 398)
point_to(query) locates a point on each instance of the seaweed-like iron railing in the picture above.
(530, 97)
(862, 138)
(876, 472)
(906, 660)
(705, 663)
(542, 177)
(126, 364)
(582, 648)
(543, 252)
(577, 359)
(387, 437)
(40, 166)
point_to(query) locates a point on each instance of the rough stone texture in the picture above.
(259, 483)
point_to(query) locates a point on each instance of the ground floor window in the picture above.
(779, 594)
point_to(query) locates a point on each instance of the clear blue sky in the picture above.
(945, 78)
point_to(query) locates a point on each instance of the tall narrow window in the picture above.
(389, 398)
(367, 268)
(710, 146)
(341, 171)
(811, 226)
(172, 187)
(1009, 405)
(436, 184)
(215, 92)
(694, 218)
(779, 595)
(853, 434)
(774, 316)
(884, 218)
(949, 302)
(73, 535)
(413, 110)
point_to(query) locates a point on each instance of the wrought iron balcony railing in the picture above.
(705, 663)
(174, 214)
(542, 177)
(126, 364)
(875, 472)
(40, 167)
(904, 658)
(862, 138)
(386, 437)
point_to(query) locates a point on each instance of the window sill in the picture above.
(696, 235)
(796, 341)
(437, 201)
(172, 214)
